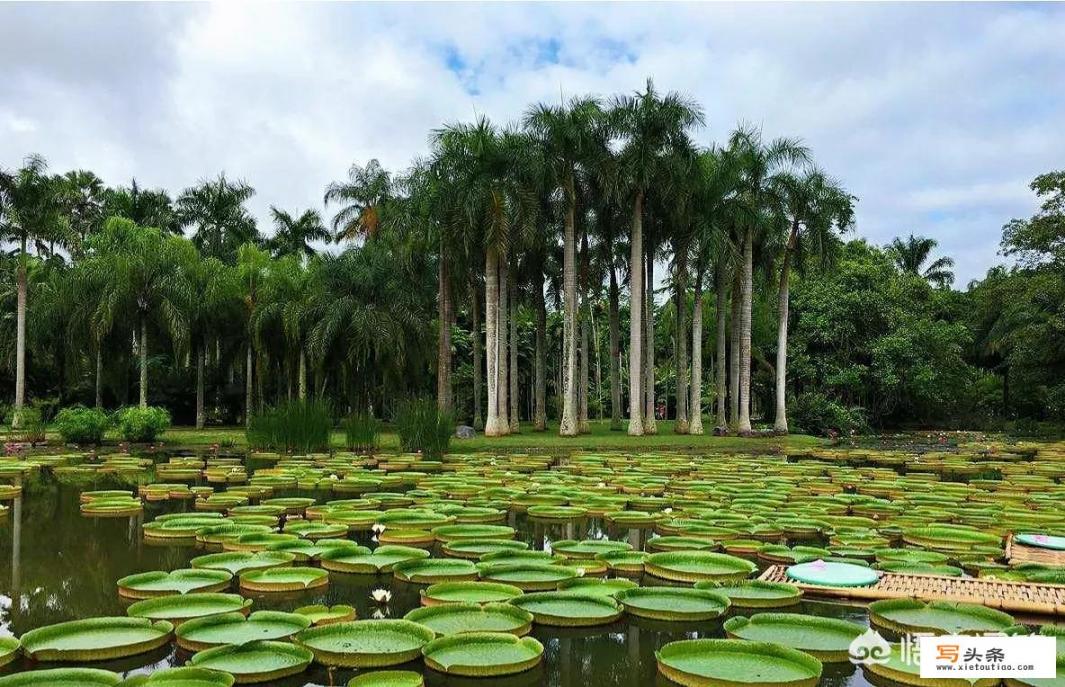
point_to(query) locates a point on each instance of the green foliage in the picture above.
(423, 427)
(362, 432)
(34, 424)
(294, 426)
(142, 425)
(81, 425)
(815, 413)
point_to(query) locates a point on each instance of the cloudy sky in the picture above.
(936, 116)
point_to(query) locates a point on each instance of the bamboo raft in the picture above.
(1022, 553)
(1016, 597)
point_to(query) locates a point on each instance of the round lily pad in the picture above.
(826, 639)
(468, 592)
(182, 677)
(285, 579)
(183, 581)
(596, 585)
(433, 570)
(381, 560)
(234, 628)
(475, 548)
(755, 593)
(735, 662)
(483, 654)
(569, 609)
(306, 549)
(96, 639)
(236, 562)
(450, 619)
(696, 566)
(673, 603)
(450, 533)
(388, 678)
(320, 614)
(9, 648)
(555, 514)
(1043, 541)
(896, 670)
(831, 574)
(588, 548)
(366, 643)
(527, 576)
(255, 661)
(629, 563)
(62, 677)
(938, 617)
(179, 607)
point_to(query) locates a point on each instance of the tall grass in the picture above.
(362, 432)
(292, 426)
(423, 427)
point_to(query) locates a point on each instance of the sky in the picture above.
(936, 116)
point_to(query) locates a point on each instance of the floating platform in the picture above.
(1015, 597)
(1022, 553)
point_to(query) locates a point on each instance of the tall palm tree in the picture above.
(652, 128)
(215, 209)
(360, 198)
(217, 304)
(293, 235)
(912, 254)
(252, 266)
(84, 198)
(147, 208)
(567, 137)
(32, 216)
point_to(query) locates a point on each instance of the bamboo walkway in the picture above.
(1017, 597)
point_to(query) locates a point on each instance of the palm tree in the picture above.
(84, 198)
(31, 216)
(651, 128)
(361, 198)
(567, 139)
(216, 305)
(911, 254)
(144, 276)
(253, 263)
(215, 208)
(147, 208)
(292, 235)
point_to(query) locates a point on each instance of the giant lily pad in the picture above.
(236, 562)
(736, 663)
(483, 654)
(827, 639)
(306, 549)
(898, 670)
(182, 677)
(255, 661)
(475, 548)
(434, 570)
(569, 609)
(527, 576)
(596, 585)
(755, 593)
(285, 579)
(96, 639)
(833, 574)
(468, 592)
(9, 647)
(696, 566)
(183, 581)
(62, 677)
(366, 643)
(449, 619)
(320, 614)
(388, 678)
(452, 533)
(938, 617)
(673, 603)
(381, 560)
(233, 628)
(178, 608)
(588, 548)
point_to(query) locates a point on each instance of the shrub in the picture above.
(815, 413)
(298, 426)
(81, 425)
(33, 425)
(361, 432)
(423, 427)
(142, 425)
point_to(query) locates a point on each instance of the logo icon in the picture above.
(869, 648)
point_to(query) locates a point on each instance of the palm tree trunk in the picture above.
(475, 313)
(142, 349)
(515, 425)
(681, 338)
(720, 365)
(636, 301)
(443, 351)
(615, 352)
(502, 327)
(248, 387)
(747, 295)
(302, 375)
(780, 424)
(582, 423)
(650, 423)
(695, 424)
(201, 362)
(540, 411)
(20, 341)
(99, 376)
(491, 345)
(570, 423)
(734, 351)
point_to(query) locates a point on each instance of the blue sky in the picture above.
(936, 116)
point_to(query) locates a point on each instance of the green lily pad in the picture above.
(307, 549)
(832, 574)
(908, 672)
(588, 548)
(475, 548)
(569, 609)
(681, 543)
(526, 576)
(236, 562)
(320, 614)
(755, 593)
(233, 628)
(624, 562)
(9, 648)
(735, 662)
(62, 677)
(96, 639)
(937, 617)
(673, 603)
(456, 618)
(381, 560)
(255, 661)
(182, 677)
(483, 654)
(696, 566)
(183, 581)
(434, 570)
(826, 639)
(366, 643)
(451, 533)
(468, 592)
(179, 607)
(284, 579)
(596, 586)
(388, 678)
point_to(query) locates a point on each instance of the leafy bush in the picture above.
(142, 425)
(362, 432)
(298, 426)
(81, 425)
(33, 426)
(423, 427)
(815, 413)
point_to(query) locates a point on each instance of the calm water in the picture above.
(56, 565)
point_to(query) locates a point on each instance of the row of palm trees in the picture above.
(568, 205)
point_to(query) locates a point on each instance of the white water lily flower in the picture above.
(378, 614)
(381, 596)
(580, 572)
(602, 485)
(667, 511)
(378, 528)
